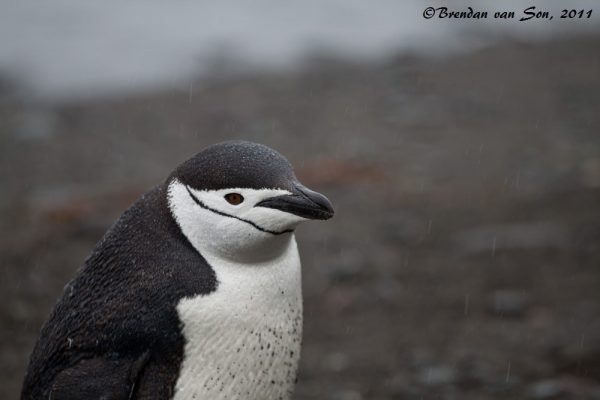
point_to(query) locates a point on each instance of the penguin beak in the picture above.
(303, 202)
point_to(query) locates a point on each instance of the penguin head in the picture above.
(241, 199)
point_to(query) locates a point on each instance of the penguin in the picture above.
(193, 293)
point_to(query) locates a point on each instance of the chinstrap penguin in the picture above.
(194, 293)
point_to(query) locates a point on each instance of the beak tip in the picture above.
(327, 209)
(328, 216)
(324, 208)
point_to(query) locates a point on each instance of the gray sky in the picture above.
(69, 48)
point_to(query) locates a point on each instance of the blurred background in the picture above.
(463, 159)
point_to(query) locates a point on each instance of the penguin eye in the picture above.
(234, 198)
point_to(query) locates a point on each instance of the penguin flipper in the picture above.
(99, 378)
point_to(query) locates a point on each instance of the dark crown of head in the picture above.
(236, 164)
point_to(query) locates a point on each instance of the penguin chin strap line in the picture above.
(201, 204)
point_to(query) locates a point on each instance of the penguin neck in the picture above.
(269, 249)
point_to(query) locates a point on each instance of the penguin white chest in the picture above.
(243, 340)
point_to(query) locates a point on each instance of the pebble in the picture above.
(546, 389)
(437, 375)
(508, 303)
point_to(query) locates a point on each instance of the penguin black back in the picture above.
(145, 264)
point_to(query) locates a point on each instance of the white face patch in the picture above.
(241, 232)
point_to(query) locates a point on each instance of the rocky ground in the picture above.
(463, 261)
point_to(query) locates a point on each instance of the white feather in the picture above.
(243, 340)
